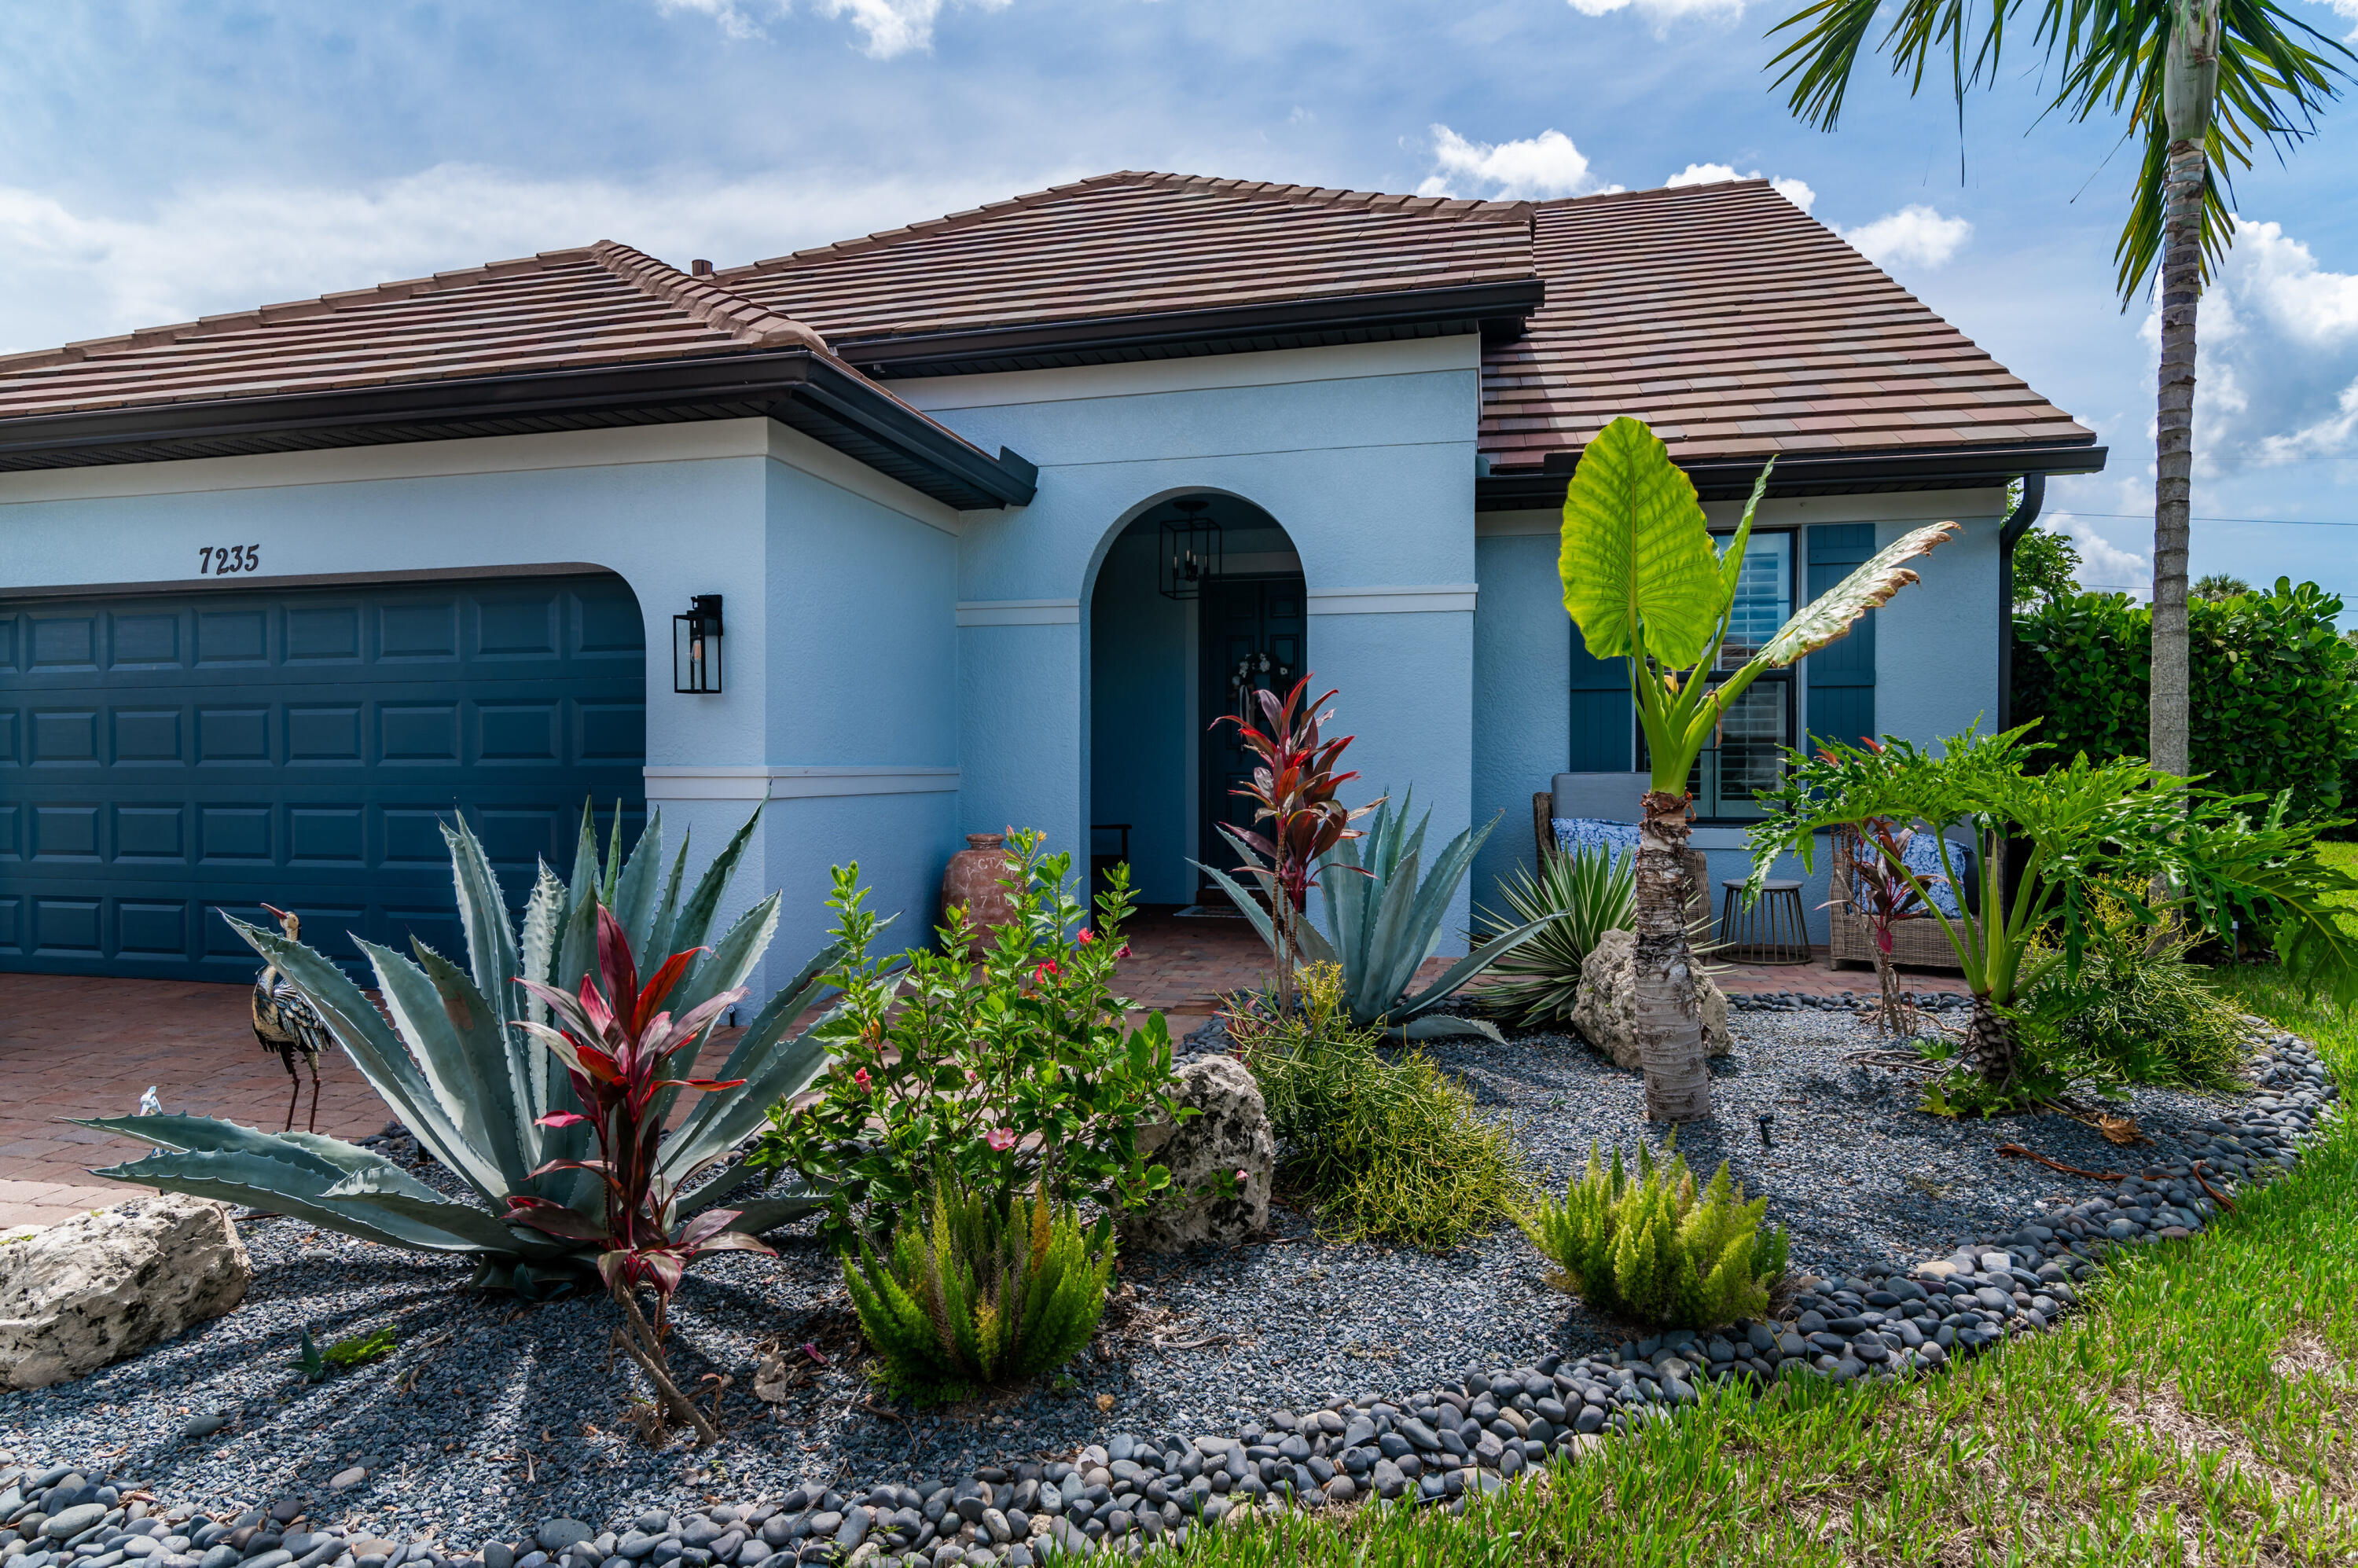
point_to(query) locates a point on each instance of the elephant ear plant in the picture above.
(447, 1054)
(1642, 583)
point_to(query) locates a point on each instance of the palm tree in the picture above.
(2216, 586)
(2200, 81)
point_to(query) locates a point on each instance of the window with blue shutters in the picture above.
(1841, 676)
(1603, 719)
(1746, 753)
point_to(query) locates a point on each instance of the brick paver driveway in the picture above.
(80, 1047)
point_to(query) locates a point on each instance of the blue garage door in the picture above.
(163, 756)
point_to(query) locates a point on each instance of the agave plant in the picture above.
(1385, 922)
(1576, 898)
(476, 1091)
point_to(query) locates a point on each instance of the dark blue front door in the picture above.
(163, 756)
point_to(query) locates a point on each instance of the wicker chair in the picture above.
(1919, 942)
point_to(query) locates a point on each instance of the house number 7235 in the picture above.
(227, 560)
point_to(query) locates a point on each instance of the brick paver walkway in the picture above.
(82, 1048)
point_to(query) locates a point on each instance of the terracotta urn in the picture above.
(972, 882)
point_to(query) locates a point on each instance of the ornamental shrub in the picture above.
(975, 1291)
(1010, 1071)
(1653, 1250)
(2272, 700)
(1382, 1145)
(2138, 1012)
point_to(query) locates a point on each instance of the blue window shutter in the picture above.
(1841, 674)
(1601, 724)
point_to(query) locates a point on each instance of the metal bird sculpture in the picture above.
(285, 1023)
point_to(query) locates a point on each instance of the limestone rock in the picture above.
(102, 1286)
(1607, 1013)
(1203, 1153)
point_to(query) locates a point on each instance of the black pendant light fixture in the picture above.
(1191, 549)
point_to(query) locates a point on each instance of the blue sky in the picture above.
(164, 161)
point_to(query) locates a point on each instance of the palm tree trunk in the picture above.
(2182, 292)
(1989, 1043)
(1669, 1025)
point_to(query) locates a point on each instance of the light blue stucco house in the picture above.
(989, 517)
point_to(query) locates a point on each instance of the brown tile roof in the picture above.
(1738, 325)
(597, 305)
(1133, 244)
(1729, 320)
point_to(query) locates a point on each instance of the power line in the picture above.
(2265, 522)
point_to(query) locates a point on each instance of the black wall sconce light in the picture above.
(1191, 549)
(696, 646)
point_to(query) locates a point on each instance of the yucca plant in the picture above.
(975, 1291)
(1576, 898)
(1651, 1249)
(476, 1092)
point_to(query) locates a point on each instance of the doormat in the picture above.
(1207, 911)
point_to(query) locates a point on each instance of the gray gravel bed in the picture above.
(1324, 1373)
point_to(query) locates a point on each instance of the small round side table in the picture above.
(1775, 930)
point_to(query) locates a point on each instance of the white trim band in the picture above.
(1019, 612)
(722, 782)
(1446, 595)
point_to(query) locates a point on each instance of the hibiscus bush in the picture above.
(1013, 1074)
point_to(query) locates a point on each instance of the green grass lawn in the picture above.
(2204, 1411)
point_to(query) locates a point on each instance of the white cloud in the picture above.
(2277, 356)
(67, 272)
(890, 27)
(2329, 437)
(1542, 166)
(1796, 191)
(895, 27)
(1706, 174)
(731, 19)
(2102, 564)
(1663, 12)
(1302, 117)
(1913, 237)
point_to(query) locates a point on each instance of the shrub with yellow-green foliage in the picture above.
(1380, 1143)
(981, 1289)
(1652, 1250)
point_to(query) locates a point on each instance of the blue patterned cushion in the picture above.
(1922, 857)
(1615, 838)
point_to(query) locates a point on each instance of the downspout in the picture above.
(2017, 524)
(2010, 533)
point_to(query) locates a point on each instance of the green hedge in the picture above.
(2273, 698)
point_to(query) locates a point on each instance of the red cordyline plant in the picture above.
(1884, 895)
(616, 1043)
(1293, 787)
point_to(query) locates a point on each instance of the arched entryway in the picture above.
(1168, 655)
